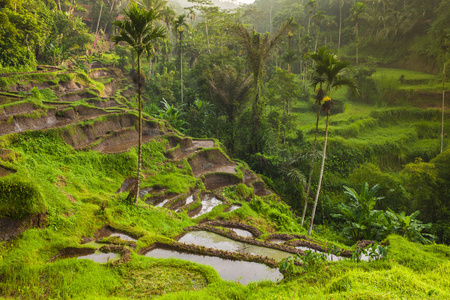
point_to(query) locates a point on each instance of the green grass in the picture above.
(412, 80)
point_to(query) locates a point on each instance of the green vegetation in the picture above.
(242, 83)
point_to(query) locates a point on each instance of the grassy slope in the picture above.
(78, 191)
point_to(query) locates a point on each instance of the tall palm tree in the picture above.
(138, 31)
(357, 10)
(331, 73)
(319, 16)
(318, 57)
(178, 25)
(231, 89)
(159, 7)
(341, 4)
(258, 48)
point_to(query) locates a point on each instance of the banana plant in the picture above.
(362, 220)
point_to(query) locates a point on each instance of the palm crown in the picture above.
(138, 30)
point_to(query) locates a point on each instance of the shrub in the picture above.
(20, 196)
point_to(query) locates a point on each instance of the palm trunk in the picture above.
(181, 67)
(255, 119)
(308, 189)
(357, 42)
(284, 121)
(340, 27)
(443, 103)
(139, 132)
(321, 176)
(99, 17)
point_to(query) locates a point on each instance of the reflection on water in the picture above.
(99, 257)
(189, 200)
(215, 241)
(330, 257)
(162, 203)
(241, 232)
(208, 203)
(123, 236)
(242, 271)
(234, 207)
(275, 241)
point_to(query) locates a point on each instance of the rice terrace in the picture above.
(204, 149)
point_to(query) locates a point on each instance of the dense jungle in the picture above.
(206, 149)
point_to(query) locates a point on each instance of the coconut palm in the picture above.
(357, 10)
(138, 31)
(341, 4)
(322, 55)
(178, 25)
(159, 7)
(258, 48)
(329, 72)
(231, 89)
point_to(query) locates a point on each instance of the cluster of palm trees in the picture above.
(141, 29)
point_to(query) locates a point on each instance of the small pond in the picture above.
(208, 203)
(242, 271)
(216, 241)
(100, 257)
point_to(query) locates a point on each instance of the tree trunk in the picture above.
(340, 27)
(255, 120)
(99, 17)
(308, 189)
(181, 66)
(357, 41)
(443, 103)
(321, 176)
(139, 131)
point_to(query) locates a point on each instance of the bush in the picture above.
(20, 196)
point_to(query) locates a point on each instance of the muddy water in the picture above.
(123, 236)
(208, 203)
(241, 271)
(162, 203)
(275, 241)
(241, 232)
(215, 241)
(332, 257)
(189, 200)
(100, 257)
(234, 207)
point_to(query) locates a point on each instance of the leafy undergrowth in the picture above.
(78, 189)
(77, 192)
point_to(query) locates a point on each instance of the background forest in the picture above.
(246, 76)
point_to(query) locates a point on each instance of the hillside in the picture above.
(67, 163)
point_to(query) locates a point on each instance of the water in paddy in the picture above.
(275, 241)
(215, 241)
(242, 271)
(333, 257)
(241, 232)
(123, 236)
(99, 257)
(162, 203)
(208, 203)
(189, 200)
(234, 207)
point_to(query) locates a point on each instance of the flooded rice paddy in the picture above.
(240, 271)
(215, 241)
(208, 203)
